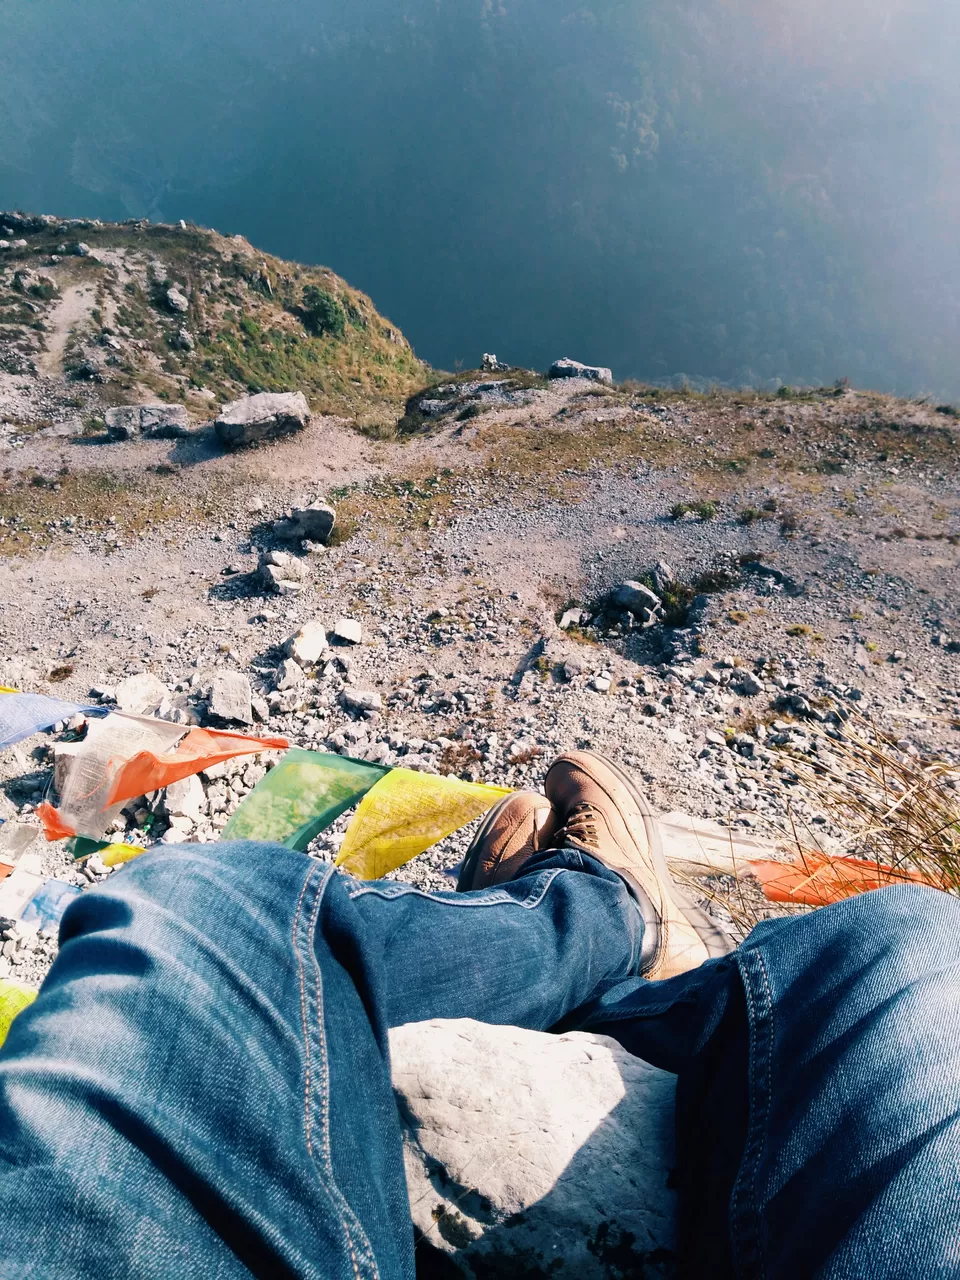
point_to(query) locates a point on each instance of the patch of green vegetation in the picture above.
(703, 510)
(322, 313)
(474, 410)
(677, 598)
(33, 507)
(258, 323)
(377, 425)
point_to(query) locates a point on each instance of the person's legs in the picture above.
(819, 1091)
(202, 1088)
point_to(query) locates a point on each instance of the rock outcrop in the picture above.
(567, 368)
(522, 1149)
(266, 416)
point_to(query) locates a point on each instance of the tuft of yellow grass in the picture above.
(896, 810)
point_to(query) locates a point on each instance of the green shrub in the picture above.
(705, 510)
(322, 313)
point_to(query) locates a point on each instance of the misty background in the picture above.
(739, 190)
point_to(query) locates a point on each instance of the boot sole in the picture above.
(713, 938)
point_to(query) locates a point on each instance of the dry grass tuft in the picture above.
(896, 812)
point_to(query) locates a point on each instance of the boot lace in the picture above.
(580, 828)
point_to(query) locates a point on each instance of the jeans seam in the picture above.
(348, 1219)
(745, 1236)
(533, 898)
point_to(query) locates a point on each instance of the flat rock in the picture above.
(348, 631)
(361, 700)
(571, 618)
(266, 416)
(436, 408)
(177, 301)
(314, 523)
(567, 368)
(309, 645)
(230, 696)
(141, 695)
(522, 1148)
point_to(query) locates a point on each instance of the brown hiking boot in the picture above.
(604, 814)
(514, 830)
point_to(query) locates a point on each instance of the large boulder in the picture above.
(177, 301)
(314, 523)
(262, 417)
(164, 421)
(635, 597)
(567, 368)
(530, 1155)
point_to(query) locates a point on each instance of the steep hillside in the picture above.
(95, 314)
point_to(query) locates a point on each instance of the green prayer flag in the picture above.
(302, 796)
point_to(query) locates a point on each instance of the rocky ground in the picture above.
(819, 564)
(801, 548)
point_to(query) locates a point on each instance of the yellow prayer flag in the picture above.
(405, 813)
(13, 1000)
(116, 854)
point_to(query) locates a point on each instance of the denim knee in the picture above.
(900, 931)
(196, 883)
(914, 919)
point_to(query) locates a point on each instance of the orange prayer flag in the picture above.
(817, 881)
(201, 749)
(54, 827)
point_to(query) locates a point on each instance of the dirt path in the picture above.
(74, 308)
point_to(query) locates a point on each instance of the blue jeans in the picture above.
(202, 1088)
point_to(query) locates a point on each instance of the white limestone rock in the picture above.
(185, 799)
(266, 416)
(348, 631)
(309, 645)
(141, 695)
(522, 1148)
(567, 368)
(230, 696)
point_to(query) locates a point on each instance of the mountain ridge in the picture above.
(95, 314)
